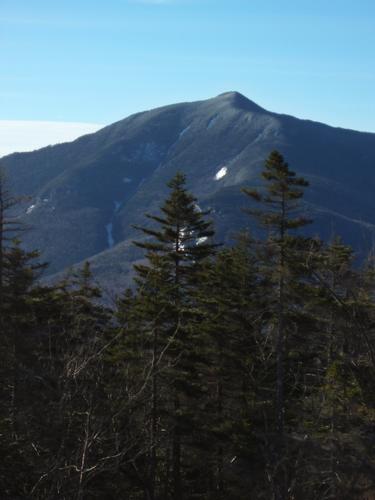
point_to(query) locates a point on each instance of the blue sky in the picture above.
(97, 61)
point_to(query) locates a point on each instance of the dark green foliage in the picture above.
(245, 373)
(168, 338)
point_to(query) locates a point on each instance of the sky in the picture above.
(88, 63)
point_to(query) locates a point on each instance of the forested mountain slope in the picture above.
(85, 196)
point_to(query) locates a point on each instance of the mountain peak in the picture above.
(238, 100)
(87, 196)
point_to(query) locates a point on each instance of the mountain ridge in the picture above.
(86, 195)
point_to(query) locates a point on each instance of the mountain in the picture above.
(84, 196)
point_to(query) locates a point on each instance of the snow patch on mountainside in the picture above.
(183, 132)
(110, 239)
(212, 122)
(30, 209)
(109, 226)
(221, 173)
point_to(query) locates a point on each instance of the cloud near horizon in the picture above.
(22, 136)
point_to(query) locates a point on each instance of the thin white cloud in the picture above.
(19, 136)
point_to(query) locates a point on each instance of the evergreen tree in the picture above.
(280, 199)
(176, 252)
(19, 298)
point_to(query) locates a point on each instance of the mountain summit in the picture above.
(86, 195)
(237, 100)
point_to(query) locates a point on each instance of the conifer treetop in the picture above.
(183, 233)
(281, 196)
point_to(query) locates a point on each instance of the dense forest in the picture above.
(223, 374)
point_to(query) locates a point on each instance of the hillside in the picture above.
(85, 196)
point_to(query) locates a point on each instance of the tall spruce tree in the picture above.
(280, 217)
(175, 252)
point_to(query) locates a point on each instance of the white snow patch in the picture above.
(197, 208)
(126, 180)
(30, 209)
(183, 132)
(45, 200)
(110, 240)
(109, 226)
(201, 240)
(212, 122)
(221, 173)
